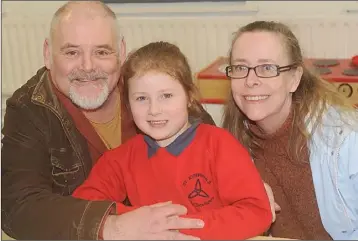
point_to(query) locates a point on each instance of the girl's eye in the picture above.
(167, 96)
(140, 98)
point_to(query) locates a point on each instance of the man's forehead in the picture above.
(82, 32)
(85, 8)
(83, 20)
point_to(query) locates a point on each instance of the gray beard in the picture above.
(87, 103)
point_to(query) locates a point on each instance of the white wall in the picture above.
(142, 21)
(307, 8)
(293, 8)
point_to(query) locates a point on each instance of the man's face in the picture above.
(84, 59)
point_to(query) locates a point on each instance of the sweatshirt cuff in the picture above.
(93, 219)
(111, 211)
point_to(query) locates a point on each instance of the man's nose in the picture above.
(87, 62)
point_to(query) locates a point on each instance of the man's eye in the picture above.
(72, 53)
(102, 52)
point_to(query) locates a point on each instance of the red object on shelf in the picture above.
(344, 75)
(336, 74)
(355, 61)
(212, 82)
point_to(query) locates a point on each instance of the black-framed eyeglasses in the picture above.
(262, 71)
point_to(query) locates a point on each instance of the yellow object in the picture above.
(213, 85)
(4, 236)
(110, 132)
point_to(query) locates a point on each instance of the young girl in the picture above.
(177, 158)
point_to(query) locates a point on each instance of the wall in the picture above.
(302, 8)
(202, 30)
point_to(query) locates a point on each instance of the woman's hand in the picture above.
(274, 206)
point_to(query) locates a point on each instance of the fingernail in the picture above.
(200, 223)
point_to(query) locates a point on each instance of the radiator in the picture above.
(202, 39)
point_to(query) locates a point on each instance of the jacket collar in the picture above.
(46, 95)
(73, 121)
(43, 93)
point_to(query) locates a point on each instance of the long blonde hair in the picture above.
(311, 98)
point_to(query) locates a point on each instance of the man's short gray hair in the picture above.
(67, 7)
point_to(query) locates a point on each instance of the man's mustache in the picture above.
(80, 75)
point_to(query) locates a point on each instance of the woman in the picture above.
(302, 134)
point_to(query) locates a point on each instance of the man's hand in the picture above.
(156, 222)
(274, 206)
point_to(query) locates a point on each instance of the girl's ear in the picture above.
(190, 100)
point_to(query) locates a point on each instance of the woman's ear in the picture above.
(297, 75)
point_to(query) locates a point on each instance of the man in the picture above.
(59, 123)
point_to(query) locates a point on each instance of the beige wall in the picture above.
(263, 7)
(133, 15)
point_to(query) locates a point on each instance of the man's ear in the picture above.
(47, 53)
(297, 75)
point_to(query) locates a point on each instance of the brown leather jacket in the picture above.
(44, 158)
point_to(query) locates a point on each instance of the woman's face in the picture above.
(265, 101)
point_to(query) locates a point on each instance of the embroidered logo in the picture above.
(198, 187)
(197, 191)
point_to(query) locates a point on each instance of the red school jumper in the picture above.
(205, 169)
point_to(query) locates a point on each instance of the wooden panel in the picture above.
(212, 82)
(350, 90)
(214, 91)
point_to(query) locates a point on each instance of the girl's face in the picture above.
(159, 106)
